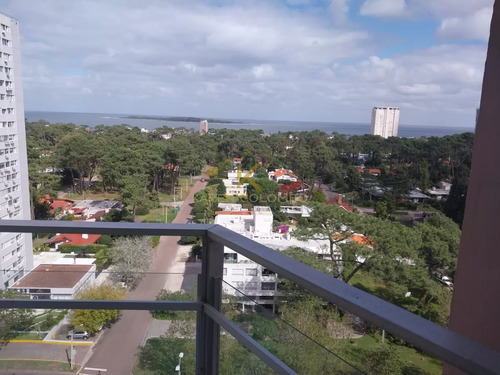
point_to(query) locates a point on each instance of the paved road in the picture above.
(118, 347)
(55, 352)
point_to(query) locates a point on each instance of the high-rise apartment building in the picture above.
(203, 127)
(16, 250)
(385, 121)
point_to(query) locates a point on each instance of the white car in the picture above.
(447, 281)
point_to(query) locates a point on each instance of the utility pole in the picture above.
(71, 355)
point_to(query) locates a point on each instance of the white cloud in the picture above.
(339, 10)
(264, 71)
(384, 8)
(475, 26)
(243, 59)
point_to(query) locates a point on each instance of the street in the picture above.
(118, 347)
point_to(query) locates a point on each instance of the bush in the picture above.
(141, 210)
(168, 295)
(102, 258)
(189, 240)
(66, 249)
(196, 252)
(155, 240)
(105, 240)
(94, 248)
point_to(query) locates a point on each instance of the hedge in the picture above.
(89, 249)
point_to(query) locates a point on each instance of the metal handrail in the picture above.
(447, 345)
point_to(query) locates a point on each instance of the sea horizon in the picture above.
(93, 119)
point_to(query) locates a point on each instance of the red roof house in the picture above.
(72, 239)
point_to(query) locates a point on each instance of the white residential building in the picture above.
(56, 281)
(16, 251)
(235, 183)
(244, 275)
(385, 121)
(282, 175)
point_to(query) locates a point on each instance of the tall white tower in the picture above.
(385, 121)
(16, 250)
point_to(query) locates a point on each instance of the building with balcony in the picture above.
(385, 121)
(243, 275)
(16, 252)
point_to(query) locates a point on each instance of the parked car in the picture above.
(447, 281)
(78, 335)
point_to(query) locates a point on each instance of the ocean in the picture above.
(93, 119)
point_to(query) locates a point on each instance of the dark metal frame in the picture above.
(447, 345)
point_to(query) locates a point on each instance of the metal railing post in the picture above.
(210, 293)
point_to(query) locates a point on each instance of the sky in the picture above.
(303, 60)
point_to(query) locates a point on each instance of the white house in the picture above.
(56, 281)
(282, 175)
(244, 275)
(234, 183)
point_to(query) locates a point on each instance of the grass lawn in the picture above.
(29, 336)
(181, 191)
(38, 365)
(40, 241)
(158, 215)
(95, 195)
(366, 282)
(414, 361)
(357, 348)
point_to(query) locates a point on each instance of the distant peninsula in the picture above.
(182, 119)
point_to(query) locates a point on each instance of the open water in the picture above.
(93, 119)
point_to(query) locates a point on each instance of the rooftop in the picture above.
(53, 276)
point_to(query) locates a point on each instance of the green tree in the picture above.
(134, 192)
(330, 223)
(455, 204)
(353, 178)
(92, 320)
(261, 172)
(14, 319)
(383, 361)
(131, 258)
(318, 196)
(381, 210)
(440, 244)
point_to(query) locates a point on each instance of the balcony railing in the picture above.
(447, 345)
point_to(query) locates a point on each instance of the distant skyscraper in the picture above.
(16, 251)
(385, 121)
(203, 127)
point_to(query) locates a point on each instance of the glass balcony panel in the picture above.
(235, 359)
(295, 348)
(40, 339)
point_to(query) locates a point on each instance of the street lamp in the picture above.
(178, 367)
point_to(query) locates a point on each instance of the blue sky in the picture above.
(318, 60)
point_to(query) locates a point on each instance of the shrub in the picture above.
(141, 210)
(105, 240)
(189, 240)
(155, 240)
(94, 248)
(66, 249)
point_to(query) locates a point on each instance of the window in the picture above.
(268, 286)
(230, 258)
(251, 272)
(224, 271)
(251, 285)
(237, 271)
(267, 272)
